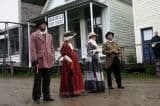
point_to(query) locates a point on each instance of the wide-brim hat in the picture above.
(40, 23)
(68, 35)
(91, 34)
(109, 33)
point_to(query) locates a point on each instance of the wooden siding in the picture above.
(121, 20)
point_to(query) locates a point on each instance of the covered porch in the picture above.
(81, 17)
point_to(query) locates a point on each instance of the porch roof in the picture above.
(68, 6)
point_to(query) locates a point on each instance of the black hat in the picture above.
(41, 22)
(108, 33)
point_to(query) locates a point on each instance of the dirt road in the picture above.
(17, 92)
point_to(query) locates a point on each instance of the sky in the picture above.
(9, 11)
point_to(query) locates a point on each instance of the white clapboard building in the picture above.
(146, 22)
(84, 16)
(80, 16)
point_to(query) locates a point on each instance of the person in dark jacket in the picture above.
(156, 45)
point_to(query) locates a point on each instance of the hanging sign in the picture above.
(56, 20)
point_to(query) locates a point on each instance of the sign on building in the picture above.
(56, 20)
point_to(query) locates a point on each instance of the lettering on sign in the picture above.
(56, 20)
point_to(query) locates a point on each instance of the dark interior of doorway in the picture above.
(75, 27)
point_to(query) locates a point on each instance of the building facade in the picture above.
(84, 16)
(14, 29)
(146, 22)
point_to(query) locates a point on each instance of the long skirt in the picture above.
(71, 80)
(94, 78)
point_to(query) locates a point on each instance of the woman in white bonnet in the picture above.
(94, 79)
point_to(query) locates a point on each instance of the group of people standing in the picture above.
(72, 83)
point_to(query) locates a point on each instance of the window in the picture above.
(3, 48)
(54, 31)
(14, 41)
(74, 26)
(97, 19)
(147, 34)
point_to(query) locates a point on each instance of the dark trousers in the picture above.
(156, 52)
(41, 80)
(115, 69)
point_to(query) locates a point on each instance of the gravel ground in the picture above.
(17, 92)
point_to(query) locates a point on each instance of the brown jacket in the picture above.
(107, 49)
(42, 49)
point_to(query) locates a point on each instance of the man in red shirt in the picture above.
(42, 55)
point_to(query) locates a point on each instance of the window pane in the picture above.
(54, 31)
(14, 41)
(97, 18)
(147, 34)
(3, 47)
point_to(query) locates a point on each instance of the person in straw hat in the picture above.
(71, 83)
(94, 78)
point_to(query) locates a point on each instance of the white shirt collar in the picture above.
(42, 32)
(110, 41)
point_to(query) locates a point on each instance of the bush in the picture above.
(131, 58)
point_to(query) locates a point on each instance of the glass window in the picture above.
(3, 48)
(97, 19)
(54, 31)
(147, 34)
(74, 26)
(14, 41)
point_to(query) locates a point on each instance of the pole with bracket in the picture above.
(66, 19)
(29, 46)
(91, 16)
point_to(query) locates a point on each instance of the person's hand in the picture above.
(35, 63)
(67, 58)
(113, 51)
(95, 51)
(116, 52)
(37, 68)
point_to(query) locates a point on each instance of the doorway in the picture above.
(147, 34)
(74, 26)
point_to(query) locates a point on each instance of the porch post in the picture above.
(20, 42)
(66, 19)
(46, 20)
(91, 16)
(83, 34)
(8, 40)
(29, 46)
(106, 21)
